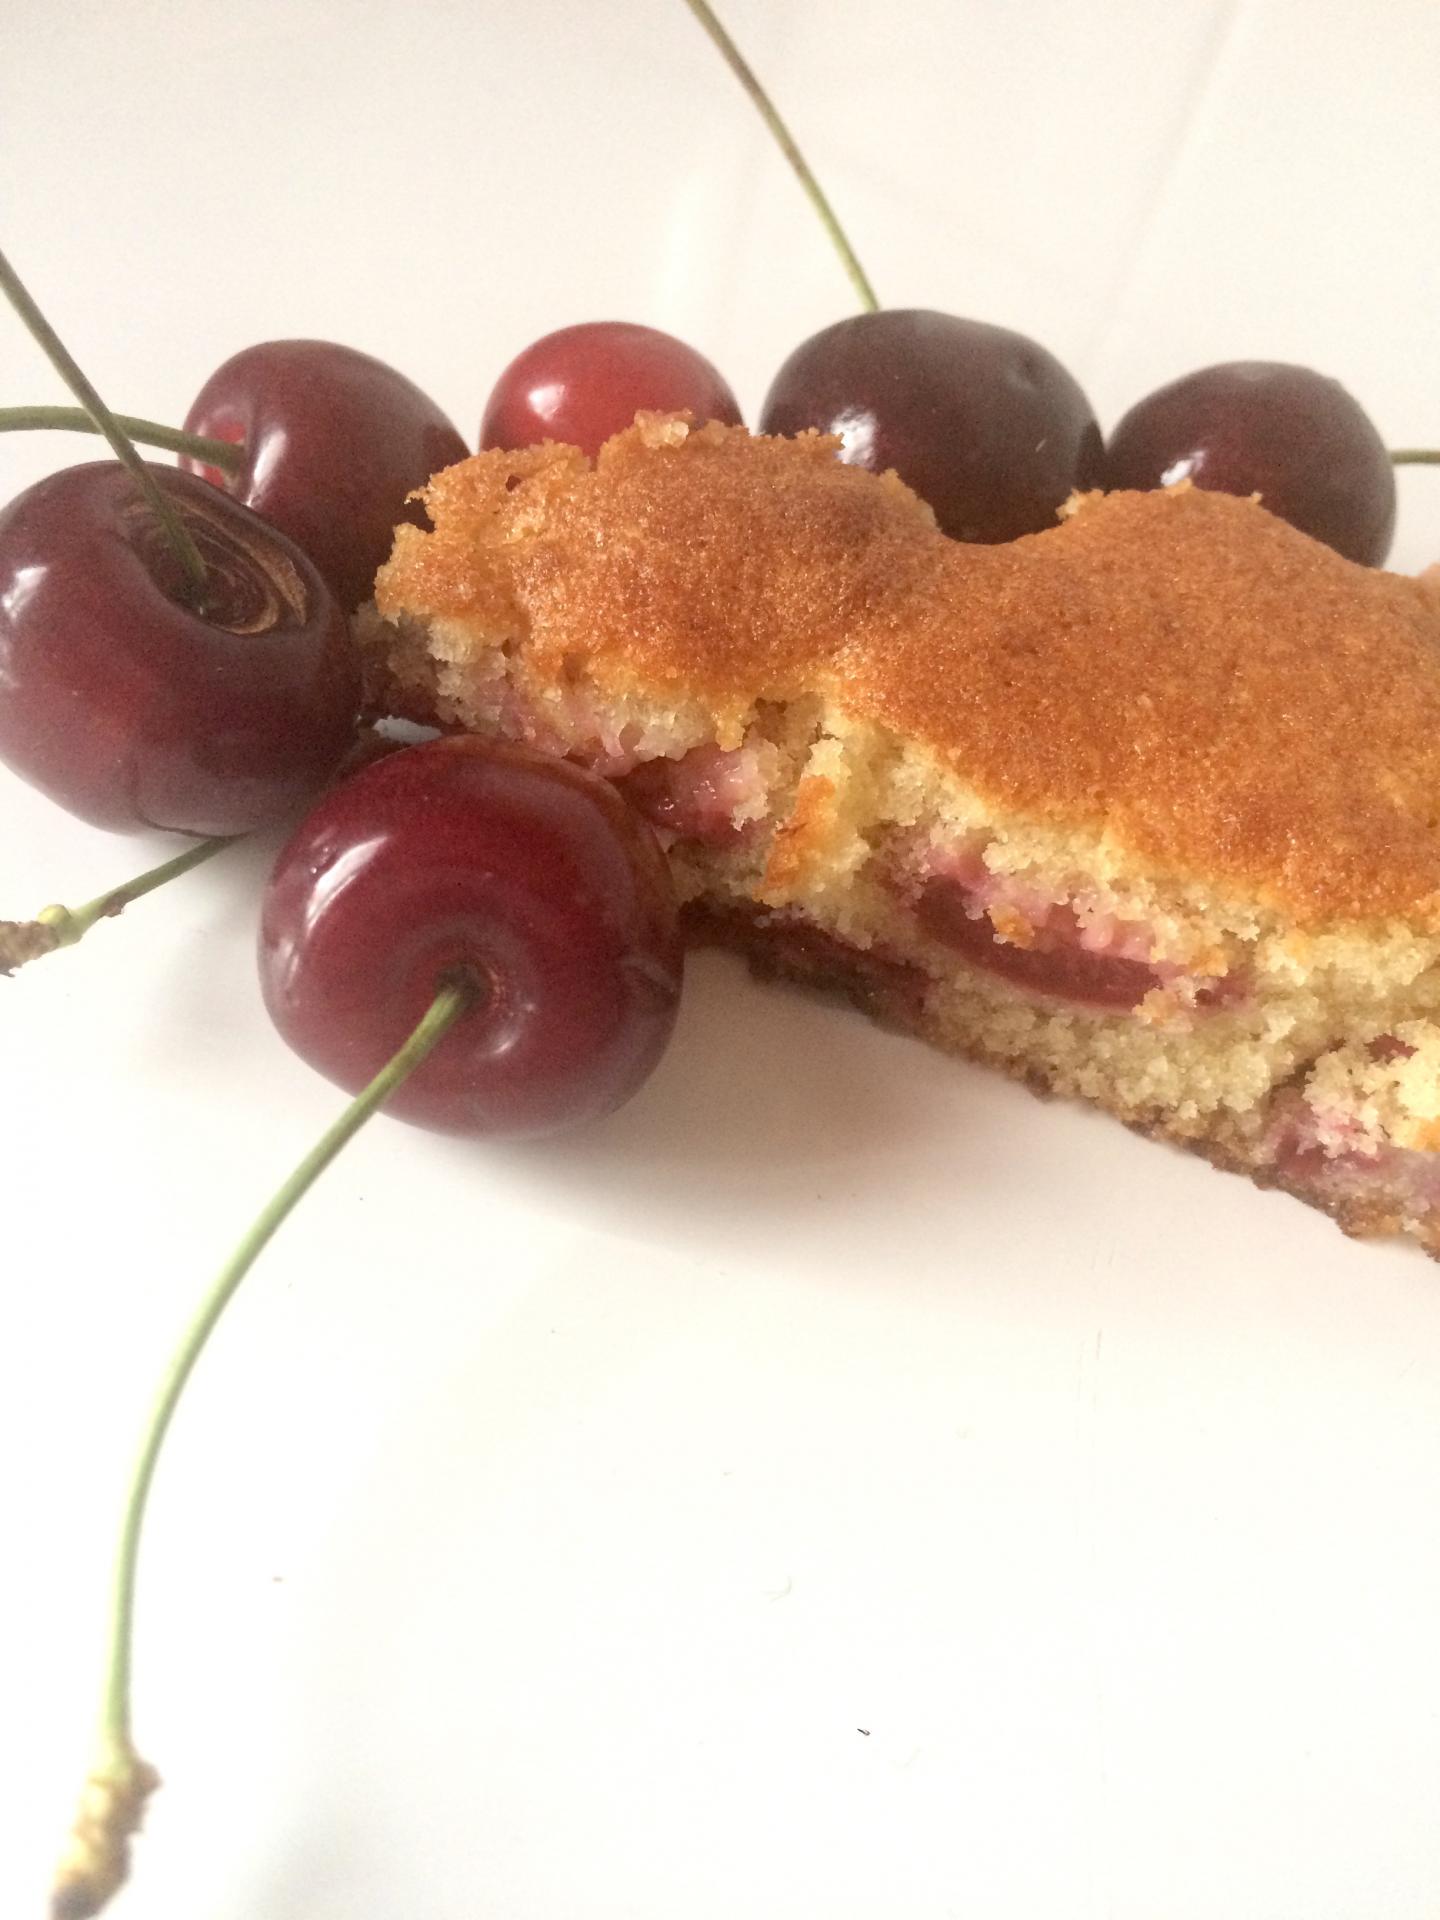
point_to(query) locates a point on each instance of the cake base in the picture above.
(786, 948)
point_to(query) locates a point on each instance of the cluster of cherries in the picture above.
(140, 697)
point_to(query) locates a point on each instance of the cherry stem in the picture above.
(228, 455)
(1415, 457)
(56, 927)
(748, 79)
(118, 1764)
(54, 349)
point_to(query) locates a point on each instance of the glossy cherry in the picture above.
(131, 707)
(984, 424)
(585, 383)
(1260, 426)
(510, 868)
(334, 442)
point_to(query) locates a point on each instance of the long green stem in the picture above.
(54, 349)
(446, 1008)
(1415, 457)
(748, 79)
(225, 454)
(96, 1861)
(55, 927)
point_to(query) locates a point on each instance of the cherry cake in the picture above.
(1144, 809)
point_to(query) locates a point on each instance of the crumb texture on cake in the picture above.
(1142, 810)
(1167, 670)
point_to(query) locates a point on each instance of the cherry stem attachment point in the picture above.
(54, 349)
(748, 79)
(228, 455)
(97, 1858)
(1415, 457)
(55, 927)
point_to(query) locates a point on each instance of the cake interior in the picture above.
(833, 852)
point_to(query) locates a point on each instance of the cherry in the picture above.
(334, 443)
(585, 383)
(135, 709)
(1259, 426)
(477, 938)
(512, 870)
(984, 424)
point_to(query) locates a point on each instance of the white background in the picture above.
(548, 1522)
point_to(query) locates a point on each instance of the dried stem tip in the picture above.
(96, 1860)
(22, 940)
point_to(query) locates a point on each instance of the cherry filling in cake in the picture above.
(1319, 1142)
(715, 798)
(1069, 950)
(1075, 948)
(1057, 962)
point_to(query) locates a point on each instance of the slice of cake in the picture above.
(1145, 809)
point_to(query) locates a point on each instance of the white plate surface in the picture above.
(840, 1484)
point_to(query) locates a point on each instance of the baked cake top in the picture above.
(1229, 700)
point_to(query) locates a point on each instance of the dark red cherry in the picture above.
(984, 424)
(585, 383)
(134, 709)
(525, 874)
(1260, 426)
(334, 442)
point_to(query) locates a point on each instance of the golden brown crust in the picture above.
(1230, 701)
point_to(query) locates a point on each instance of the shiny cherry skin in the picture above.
(334, 442)
(131, 707)
(513, 869)
(585, 383)
(1260, 426)
(984, 424)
